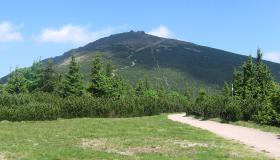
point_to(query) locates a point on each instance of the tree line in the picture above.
(59, 95)
(253, 96)
(39, 93)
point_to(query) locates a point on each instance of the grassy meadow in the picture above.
(153, 137)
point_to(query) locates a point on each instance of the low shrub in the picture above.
(209, 107)
(267, 116)
(250, 107)
(231, 110)
(44, 106)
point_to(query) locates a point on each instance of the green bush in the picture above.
(231, 111)
(208, 107)
(250, 107)
(267, 116)
(45, 106)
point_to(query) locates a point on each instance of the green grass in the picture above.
(153, 137)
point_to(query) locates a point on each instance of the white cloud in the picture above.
(9, 32)
(75, 34)
(161, 31)
(272, 56)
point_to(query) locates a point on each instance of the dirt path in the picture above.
(261, 141)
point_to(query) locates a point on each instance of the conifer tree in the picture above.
(16, 83)
(48, 79)
(237, 83)
(265, 81)
(98, 80)
(73, 83)
(249, 81)
(35, 75)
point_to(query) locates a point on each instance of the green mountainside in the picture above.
(168, 62)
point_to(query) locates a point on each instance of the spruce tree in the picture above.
(35, 75)
(73, 83)
(48, 80)
(98, 80)
(237, 83)
(16, 83)
(249, 80)
(265, 81)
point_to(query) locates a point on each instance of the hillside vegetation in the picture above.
(255, 95)
(164, 61)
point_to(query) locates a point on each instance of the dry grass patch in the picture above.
(93, 143)
(187, 144)
(164, 147)
(107, 146)
(3, 156)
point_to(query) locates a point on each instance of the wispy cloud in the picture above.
(161, 31)
(75, 34)
(272, 56)
(9, 32)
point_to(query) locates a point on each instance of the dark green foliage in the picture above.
(253, 80)
(249, 81)
(231, 111)
(227, 89)
(49, 79)
(237, 83)
(2, 89)
(45, 106)
(275, 99)
(254, 86)
(250, 107)
(73, 83)
(187, 93)
(255, 97)
(201, 96)
(102, 85)
(109, 69)
(109, 96)
(207, 106)
(267, 116)
(140, 87)
(34, 75)
(265, 81)
(118, 87)
(17, 83)
(98, 83)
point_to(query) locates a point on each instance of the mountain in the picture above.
(164, 61)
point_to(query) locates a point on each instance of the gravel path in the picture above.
(261, 141)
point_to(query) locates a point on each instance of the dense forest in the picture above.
(42, 93)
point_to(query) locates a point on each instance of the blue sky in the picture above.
(31, 29)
